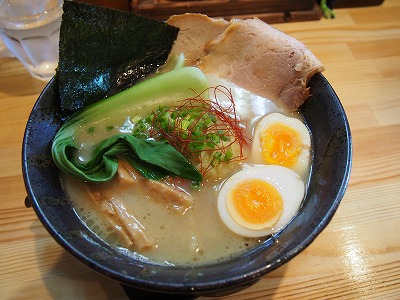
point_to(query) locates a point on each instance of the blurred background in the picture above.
(271, 11)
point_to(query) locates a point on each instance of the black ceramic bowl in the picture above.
(326, 118)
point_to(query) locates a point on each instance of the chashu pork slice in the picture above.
(251, 54)
(262, 59)
(195, 32)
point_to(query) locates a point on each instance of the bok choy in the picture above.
(151, 158)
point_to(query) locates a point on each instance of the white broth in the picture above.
(195, 237)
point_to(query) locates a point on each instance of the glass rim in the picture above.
(35, 16)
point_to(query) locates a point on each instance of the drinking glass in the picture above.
(30, 29)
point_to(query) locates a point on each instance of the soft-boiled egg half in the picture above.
(260, 199)
(283, 141)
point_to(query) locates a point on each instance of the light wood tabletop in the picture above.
(357, 256)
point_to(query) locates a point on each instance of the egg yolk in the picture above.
(255, 204)
(280, 145)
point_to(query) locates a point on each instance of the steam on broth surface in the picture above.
(177, 234)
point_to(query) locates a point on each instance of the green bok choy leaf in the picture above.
(151, 158)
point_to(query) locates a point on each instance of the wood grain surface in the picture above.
(356, 257)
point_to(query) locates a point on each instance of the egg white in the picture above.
(286, 181)
(302, 166)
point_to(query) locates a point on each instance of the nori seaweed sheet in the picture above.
(103, 51)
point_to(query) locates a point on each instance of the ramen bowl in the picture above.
(332, 154)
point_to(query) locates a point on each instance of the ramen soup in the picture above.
(251, 187)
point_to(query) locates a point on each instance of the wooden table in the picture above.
(356, 256)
